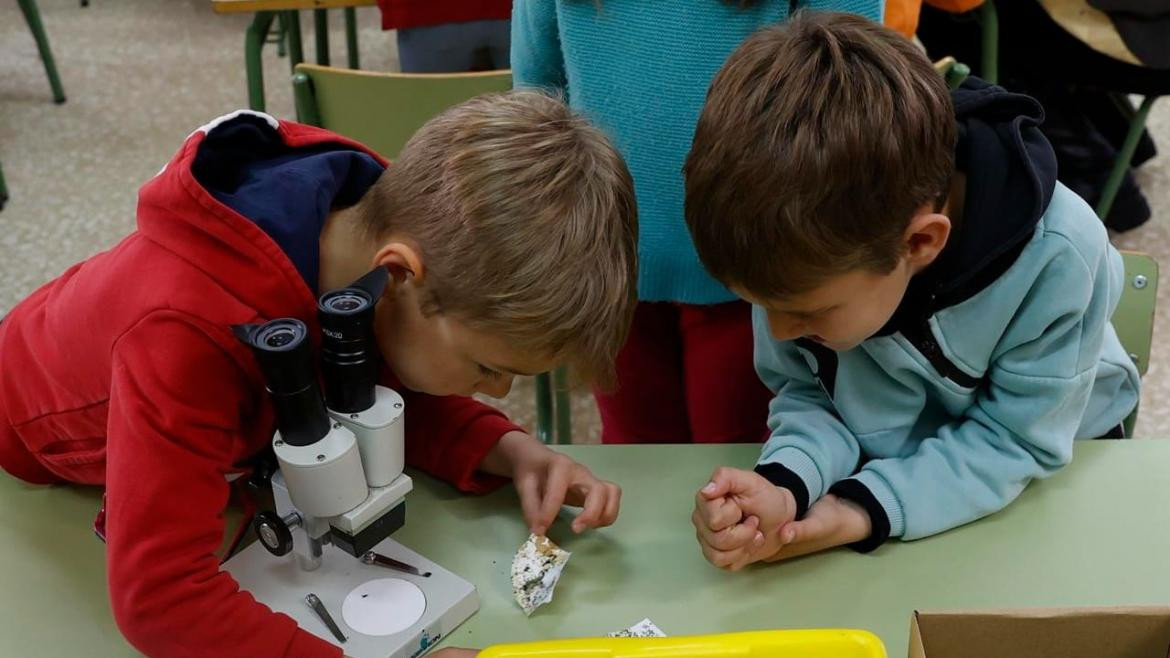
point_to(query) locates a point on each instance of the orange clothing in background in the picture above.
(902, 15)
(954, 6)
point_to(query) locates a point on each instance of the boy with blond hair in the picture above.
(931, 306)
(507, 227)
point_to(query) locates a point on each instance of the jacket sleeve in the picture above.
(449, 436)
(176, 404)
(537, 60)
(809, 448)
(1024, 419)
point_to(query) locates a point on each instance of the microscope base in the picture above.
(281, 585)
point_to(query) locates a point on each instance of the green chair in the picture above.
(279, 21)
(1134, 318)
(989, 18)
(1112, 186)
(382, 111)
(33, 16)
(1151, 85)
(953, 71)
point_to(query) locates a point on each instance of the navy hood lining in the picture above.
(287, 191)
(1010, 173)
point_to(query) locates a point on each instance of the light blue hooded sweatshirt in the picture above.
(1000, 355)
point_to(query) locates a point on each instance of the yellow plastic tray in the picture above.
(762, 644)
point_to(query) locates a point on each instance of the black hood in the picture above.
(1010, 171)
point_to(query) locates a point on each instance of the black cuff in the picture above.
(781, 476)
(855, 491)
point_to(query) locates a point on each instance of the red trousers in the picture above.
(686, 375)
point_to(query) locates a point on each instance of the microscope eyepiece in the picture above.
(349, 353)
(285, 355)
(281, 335)
(345, 302)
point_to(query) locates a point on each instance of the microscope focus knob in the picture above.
(274, 533)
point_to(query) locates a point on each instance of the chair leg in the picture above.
(1129, 423)
(351, 40)
(292, 28)
(281, 34)
(990, 64)
(1124, 157)
(33, 16)
(253, 43)
(3, 190)
(321, 27)
(305, 100)
(544, 408)
(564, 410)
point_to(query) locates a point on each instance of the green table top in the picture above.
(1096, 534)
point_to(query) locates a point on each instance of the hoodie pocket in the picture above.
(72, 443)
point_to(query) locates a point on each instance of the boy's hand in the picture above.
(830, 522)
(546, 479)
(738, 516)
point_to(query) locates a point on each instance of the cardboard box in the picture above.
(1043, 633)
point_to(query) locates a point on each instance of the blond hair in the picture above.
(526, 218)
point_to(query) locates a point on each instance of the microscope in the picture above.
(340, 492)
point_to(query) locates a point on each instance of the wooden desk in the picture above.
(289, 11)
(1096, 534)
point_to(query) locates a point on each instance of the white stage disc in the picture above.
(384, 606)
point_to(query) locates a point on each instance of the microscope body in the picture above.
(348, 488)
(340, 490)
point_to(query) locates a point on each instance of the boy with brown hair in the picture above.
(508, 231)
(931, 307)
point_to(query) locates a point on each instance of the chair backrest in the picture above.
(1134, 318)
(953, 71)
(382, 110)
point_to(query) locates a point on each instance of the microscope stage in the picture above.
(373, 598)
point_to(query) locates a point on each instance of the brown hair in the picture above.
(526, 219)
(819, 140)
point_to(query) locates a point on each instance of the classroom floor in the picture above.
(140, 75)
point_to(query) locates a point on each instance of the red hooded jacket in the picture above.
(124, 372)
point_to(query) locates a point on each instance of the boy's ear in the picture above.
(926, 236)
(402, 260)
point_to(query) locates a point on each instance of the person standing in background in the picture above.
(641, 70)
(448, 36)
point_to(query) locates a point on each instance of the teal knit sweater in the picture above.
(640, 69)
